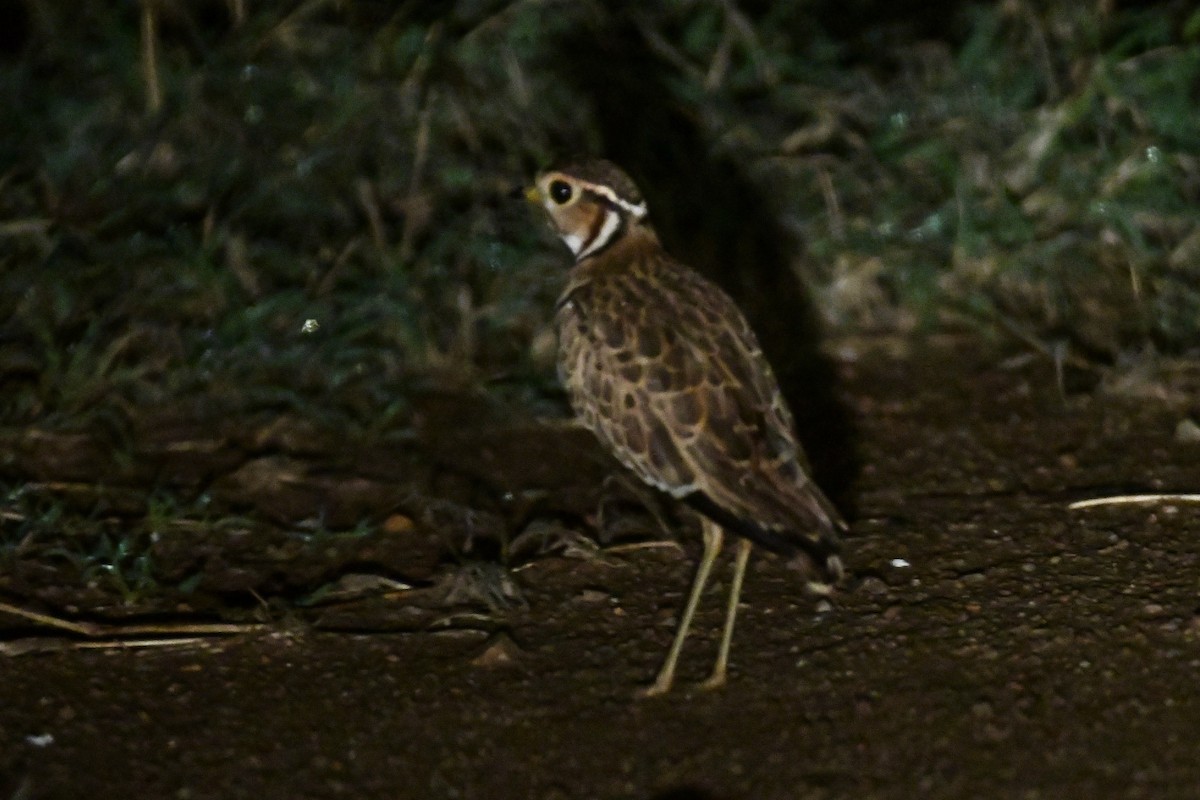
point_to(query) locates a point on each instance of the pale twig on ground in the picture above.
(44, 644)
(117, 635)
(1132, 499)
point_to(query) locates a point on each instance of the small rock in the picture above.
(593, 596)
(501, 651)
(994, 733)
(397, 523)
(1187, 431)
(873, 585)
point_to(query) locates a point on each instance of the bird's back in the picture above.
(661, 365)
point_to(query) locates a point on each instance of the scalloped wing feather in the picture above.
(662, 366)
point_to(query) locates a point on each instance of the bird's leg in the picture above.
(739, 572)
(713, 537)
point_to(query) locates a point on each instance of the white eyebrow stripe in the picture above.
(638, 211)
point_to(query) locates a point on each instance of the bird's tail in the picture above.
(816, 550)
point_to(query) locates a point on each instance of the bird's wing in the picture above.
(663, 367)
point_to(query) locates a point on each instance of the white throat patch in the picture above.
(582, 249)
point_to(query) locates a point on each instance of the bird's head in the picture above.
(591, 205)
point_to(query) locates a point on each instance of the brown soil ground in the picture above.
(991, 642)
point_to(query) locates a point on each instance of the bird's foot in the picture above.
(714, 681)
(659, 687)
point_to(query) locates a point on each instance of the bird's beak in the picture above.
(530, 194)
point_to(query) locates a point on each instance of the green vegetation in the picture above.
(335, 166)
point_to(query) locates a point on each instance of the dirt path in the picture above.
(993, 644)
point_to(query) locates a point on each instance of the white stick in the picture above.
(1128, 499)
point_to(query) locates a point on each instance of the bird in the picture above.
(661, 365)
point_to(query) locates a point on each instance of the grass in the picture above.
(94, 553)
(302, 209)
(349, 169)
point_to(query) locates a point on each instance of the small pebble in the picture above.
(592, 596)
(873, 585)
(1187, 432)
(397, 523)
(501, 651)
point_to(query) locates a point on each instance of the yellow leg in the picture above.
(713, 538)
(739, 572)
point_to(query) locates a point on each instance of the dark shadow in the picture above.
(15, 781)
(713, 218)
(685, 793)
(14, 32)
(893, 24)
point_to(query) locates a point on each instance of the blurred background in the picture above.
(241, 210)
(186, 183)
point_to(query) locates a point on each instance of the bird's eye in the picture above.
(560, 192)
